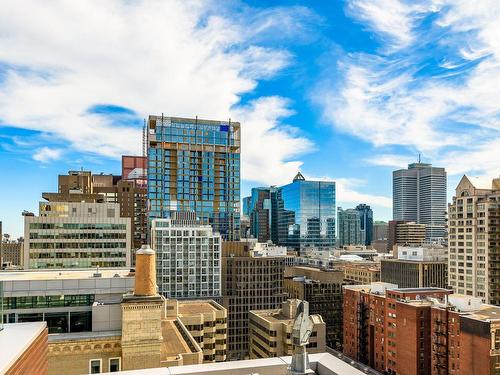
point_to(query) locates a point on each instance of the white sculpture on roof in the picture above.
(302, 329)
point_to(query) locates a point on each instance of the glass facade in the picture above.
(304, 212)
(366, 218)
(194, 165)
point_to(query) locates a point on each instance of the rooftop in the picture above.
(321, 363)
(173, 341)
(198, 307)
(63, 274)
(83, 335)
(15, 340)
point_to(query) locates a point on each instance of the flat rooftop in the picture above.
(485, 313)
(63, 274)
(173, 341)
(198, 307)
(15, 339)
(418, 290)
(321, 364)
(54, 337)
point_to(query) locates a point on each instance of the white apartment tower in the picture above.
(419, 195)
(188, 257)
(474, 239)
(77, 235)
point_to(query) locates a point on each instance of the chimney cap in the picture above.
(145, 249)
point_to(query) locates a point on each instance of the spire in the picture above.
(298, 177)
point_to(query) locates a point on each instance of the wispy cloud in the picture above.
(437, 92)
(46, 154)
(67, 68)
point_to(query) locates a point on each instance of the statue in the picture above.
(302, 329)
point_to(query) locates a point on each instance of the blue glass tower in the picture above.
(194, 165)
(305, 213)
(366, 221)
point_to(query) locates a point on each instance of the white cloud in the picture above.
(46, 154)
(394, 98)
(180, 58)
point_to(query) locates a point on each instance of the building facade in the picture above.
(474, 239)
(349, 223)
(12, 255)
(366, 223)
(260, 214)
(188, 257)
(361, 274)
(248, 283)
(271, 331)
(77, 235)
(405, 233)
(323, 290)
(419, 195)
(194, 165)
(380, 230)
(305, 213)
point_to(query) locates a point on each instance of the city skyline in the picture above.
(295, 76)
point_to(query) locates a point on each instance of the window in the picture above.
(95, 366)
(114, 365)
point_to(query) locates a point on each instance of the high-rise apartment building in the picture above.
(366, 223)
(349, 224)
(194, 165)
(323, 290)
(305, 213)
(271, 331)
(77, 235)
(474, 239)
(188, 256)
(250, 281)
(419, 195)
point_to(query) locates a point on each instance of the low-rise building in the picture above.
(323, 290)
(271, 331)
(12, 255)
(361, 273)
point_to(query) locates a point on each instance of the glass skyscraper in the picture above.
(304, 212)
(194, 165)
(366, 221)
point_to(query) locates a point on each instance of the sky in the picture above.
(341, 90)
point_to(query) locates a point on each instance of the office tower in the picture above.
(380, 230)
(247, 203)
(416, 267)
(206, 321)
(349, 223)
(83, 186)
(424, 330)
(260, 213)
(194, 165)
(419, 195)
(12, 255)
(474, 239)
(366, 223)
(323, 290)
(405, 233)
(271, 331)
(304, 213)
(250, 281)
(188, 256)
(77, 235)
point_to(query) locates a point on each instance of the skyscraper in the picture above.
(194, 165)
(349, 223)
(304, 213)
(366, 222)
(474, 239)
(261, 213)
(419, 195)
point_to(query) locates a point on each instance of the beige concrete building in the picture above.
(361, 273)
(134, 333)
(474, 239)
(12, 255)
(206, 321)
(405, 233)
(271, 331)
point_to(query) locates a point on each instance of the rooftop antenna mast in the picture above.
(144, 139)
(419, 159)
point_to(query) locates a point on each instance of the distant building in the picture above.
(323, 290)
(426, 330)
(349, 223)
(271, 331)
(251, 280)
(361, 273)
(188, 257)
(405, 233)
(261, 213)
(474, 240)
(12, 255)
(366, 223)
(194, 166)
(380, 230)
(77, 235)
(419, 195)
(134, 168)
(244, 227)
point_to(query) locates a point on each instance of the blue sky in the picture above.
(344, 90)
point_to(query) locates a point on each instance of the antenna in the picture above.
(144, 146)
(419, 158)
